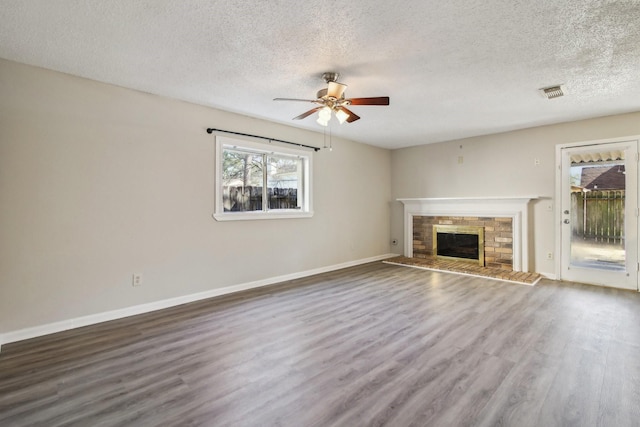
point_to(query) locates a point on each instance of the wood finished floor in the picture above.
(376, 344)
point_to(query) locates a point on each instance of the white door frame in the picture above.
(558, 217)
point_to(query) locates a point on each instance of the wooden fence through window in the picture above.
(598, 215)
(249, 198)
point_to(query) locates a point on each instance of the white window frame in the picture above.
(306, 210)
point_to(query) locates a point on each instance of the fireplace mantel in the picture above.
(515, 208)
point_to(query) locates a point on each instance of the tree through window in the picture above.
(253, 180)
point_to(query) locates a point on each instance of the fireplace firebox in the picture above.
(458, 242)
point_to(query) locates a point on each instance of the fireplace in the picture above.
(460, 243)
(504, 219)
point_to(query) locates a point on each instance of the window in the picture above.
(261, 181)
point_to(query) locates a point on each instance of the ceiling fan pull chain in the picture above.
(324, 138)
(330, 140)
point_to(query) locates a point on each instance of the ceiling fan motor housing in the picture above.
(330, 77)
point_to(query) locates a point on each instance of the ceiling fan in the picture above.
(331, 99)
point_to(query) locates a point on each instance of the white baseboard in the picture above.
(63, 325)
(550, 276)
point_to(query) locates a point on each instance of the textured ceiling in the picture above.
(453, 69)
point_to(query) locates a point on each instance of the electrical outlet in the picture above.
(136, 279)
(549, 255)
(536, 162)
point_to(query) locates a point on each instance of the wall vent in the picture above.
(552, 92)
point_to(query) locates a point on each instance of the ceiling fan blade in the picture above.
(352, 116)
(379, 100)
(296, 99)
(336, 89)
(307, 113)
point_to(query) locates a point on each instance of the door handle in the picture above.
(566, 221)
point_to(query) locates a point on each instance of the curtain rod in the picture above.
(211, 130)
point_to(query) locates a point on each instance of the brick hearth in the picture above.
(466, 268)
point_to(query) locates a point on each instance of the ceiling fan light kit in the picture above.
(324, 115)
(331, 100)
(341, 116)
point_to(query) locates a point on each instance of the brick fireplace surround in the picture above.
(498, 237)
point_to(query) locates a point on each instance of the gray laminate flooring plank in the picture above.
(375, 344)
(620, 395)
(577, 385)
(519, 399)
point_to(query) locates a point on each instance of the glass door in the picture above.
(599, 214)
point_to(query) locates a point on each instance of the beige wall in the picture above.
(500, 165)
(99, 182)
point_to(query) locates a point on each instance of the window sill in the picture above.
(248, 216)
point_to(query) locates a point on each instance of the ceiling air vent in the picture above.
(553, 91)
